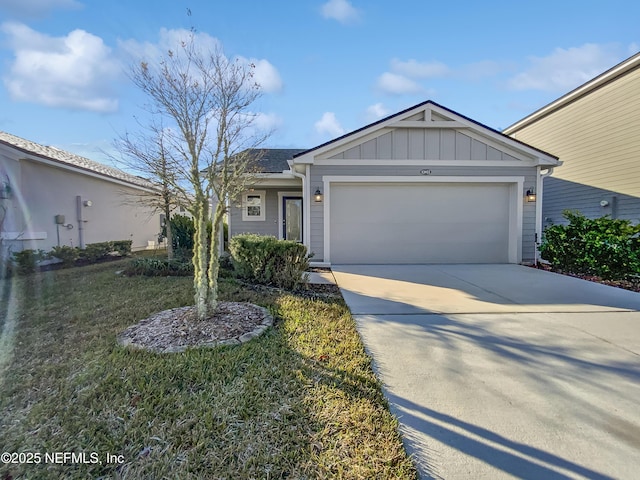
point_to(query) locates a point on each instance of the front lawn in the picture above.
(299, 402)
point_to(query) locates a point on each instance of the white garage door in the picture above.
(419, 223)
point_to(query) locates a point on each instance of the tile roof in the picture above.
(68, 158)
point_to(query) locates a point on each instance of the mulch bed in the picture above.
(633, 285)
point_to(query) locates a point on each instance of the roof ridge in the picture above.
(71, 159)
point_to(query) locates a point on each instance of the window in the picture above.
(253, 206)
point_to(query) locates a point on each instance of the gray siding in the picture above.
(317, 212)
(423, 144)
(270, 224)
(560, 195)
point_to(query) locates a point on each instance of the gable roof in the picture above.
(604, 78)
(273, 160)
(390, 121)
(68, 159)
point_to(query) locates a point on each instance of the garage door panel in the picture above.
(442, 223)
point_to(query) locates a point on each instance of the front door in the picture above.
(292, 218)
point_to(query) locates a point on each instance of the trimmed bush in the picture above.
(27, 260)
(66, 254)
(94, 252)
(606, 247)
(269, 261)
(158, 267)
(122, 247)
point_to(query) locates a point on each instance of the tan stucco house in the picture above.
(426, 185)
(50, 197)
(595, 130)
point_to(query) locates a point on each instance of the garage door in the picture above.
(419, 223)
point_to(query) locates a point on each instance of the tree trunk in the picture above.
(200, 284)
(214, 257)
(167, 226)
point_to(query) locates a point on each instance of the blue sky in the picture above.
(326, 66)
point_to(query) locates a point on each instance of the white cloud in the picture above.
(414, 69)
(396, 84)
(266, 122)
(340, 10)
(329, 125)
(36, 8)
(266, 75)
(565, 69)
(376, 111)
(74, 71)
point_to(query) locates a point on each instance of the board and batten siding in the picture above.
(597, 136)
(384, 172)
(423, 144)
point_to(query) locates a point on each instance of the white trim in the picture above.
(621, 69)
(281, 213)
(263, 206)
(514, 254)
(428, 163)
(23, 235)
(394, 121)
(428, 124)
(83, 171)
(307, 202)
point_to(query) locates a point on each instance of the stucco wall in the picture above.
(40, 192)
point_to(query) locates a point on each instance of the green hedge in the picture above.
(269, 261)
(27, 261)
(606, 247)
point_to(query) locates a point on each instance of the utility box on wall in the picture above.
(59, 219)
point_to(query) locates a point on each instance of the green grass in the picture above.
(301, 401)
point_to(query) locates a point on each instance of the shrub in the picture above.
(608, 248)
(182, 232)
(68, 255)
(27, 260)
(158, 267)
(270, 261)
(122, 247)
(94, 252)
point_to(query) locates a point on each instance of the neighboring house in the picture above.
(426, 185)
(50, 197)
(595, 130)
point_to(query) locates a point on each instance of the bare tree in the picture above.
(205, 100)
(145, 153)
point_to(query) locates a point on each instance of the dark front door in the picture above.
(292, 218)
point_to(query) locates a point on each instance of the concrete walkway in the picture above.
(504, 371)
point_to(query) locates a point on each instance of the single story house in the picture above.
(595, 129)
(426, 185)
(50, 197)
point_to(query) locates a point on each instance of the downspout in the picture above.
(305, 204)
(80, 221)
(539, 191)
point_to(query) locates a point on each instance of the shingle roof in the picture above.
(274, 160)
(68, 158)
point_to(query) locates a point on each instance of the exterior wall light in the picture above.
(317, 196)
(88, 203)
(530, 195)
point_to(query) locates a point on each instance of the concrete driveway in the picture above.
(504, 371)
